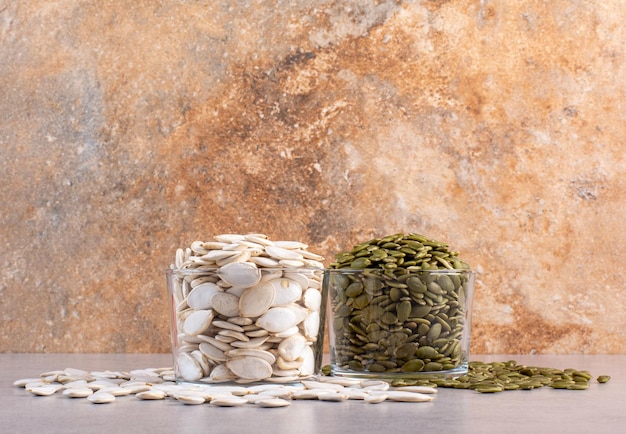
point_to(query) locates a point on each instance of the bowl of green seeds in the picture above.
(400, 307)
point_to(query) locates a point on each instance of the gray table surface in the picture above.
(600, 409)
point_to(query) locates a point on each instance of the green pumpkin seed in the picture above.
(434, 288)
(434, 332)
(578, 386)
(414, 365)
(389, 318)
(433, 366)
(427, 352)
(423, 328)
(378, 255)
(403, 309)
(360, 263)
(562, 384)
(377, 335)
(376, 367)
(418, 311)
(415, 284)
(354, 289)
(445, 283)
(361, 301)
(603, 379)
(406, 350)
(395, 294)
(489, 389)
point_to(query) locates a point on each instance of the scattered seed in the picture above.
(101, 398)
(191, 399)
(272, 402)
(151, 395)
(78, 392)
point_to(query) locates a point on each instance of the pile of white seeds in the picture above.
(103, 387)
(246, 309)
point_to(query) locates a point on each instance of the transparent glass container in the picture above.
(270, 329)
(389, 324)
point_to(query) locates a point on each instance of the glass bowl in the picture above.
(241, 326)
(408, 324)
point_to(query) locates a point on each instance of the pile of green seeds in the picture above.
(411, 252)
(399, 306)
(503, 376)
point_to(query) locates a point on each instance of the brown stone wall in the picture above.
(129, 129)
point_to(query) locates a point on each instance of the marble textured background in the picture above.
(129, 129)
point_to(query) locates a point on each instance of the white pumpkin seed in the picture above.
(241, 321)
(233, 334)
(188, 368)
(291, 348)
(259, 239)
(369, 385)
(281, 253)
(277, 319)
(356, 394)
(312, 325)
(291, 263)
(397, 395)
(418, 389)
(376, 399)
(198, 322)
(346, 382)
(228, 325)
(191, 399)
(224, 346)
(226, 304)
(332, 396)
(212, 352)
(308, 362)
(215, 255)
(250, 368)
(78, 392)
(311, 384)
(294, 364)
(285, 333)
(263, 261)
(291, 245)
(221, 373)
(229, 238)
(24, 381)
(101, 398)
(44, 390)
(240, 274)
(257, 333)
(272, 403)
(229, 401)
(286, 291)
(252, 343)
(256, 300)
(269, 274)
(116, 391)
(200, 297)
(252, 352)
(201, 360)
(305, 394)
(312, 299)
(285, 373)
(151, 395)
(236, 290)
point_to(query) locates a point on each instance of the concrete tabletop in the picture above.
(600, 409)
